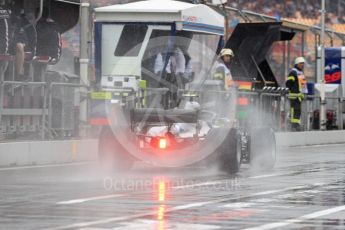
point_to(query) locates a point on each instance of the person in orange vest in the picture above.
(297, 86)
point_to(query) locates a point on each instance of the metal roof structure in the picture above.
(77, 2)
(187, 16)
(249, 16)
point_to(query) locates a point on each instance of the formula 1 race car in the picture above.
(156, 111)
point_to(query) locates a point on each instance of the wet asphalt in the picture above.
(306, 190)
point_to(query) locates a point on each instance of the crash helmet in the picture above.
(299, 60)
(225, 52)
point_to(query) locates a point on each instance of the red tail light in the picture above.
(163, 143)
(243, 101)
(159, 143)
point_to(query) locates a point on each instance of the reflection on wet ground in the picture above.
(304, 191)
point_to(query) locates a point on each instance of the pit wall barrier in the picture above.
(311, 138)
(70, 151)
(47, 152)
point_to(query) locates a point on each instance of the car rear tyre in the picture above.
(230, 153)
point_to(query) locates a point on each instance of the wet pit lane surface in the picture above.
(304, 191)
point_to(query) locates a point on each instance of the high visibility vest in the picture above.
(302, 82)
(223, 73)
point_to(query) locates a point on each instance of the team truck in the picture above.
(152, 111)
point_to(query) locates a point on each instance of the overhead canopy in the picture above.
(190, 17)
(251, 43)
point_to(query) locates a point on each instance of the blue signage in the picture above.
(333, 65)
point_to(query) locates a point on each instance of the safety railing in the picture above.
(66, 122)
(273, 109)
(334, 113)
(23, 107)
(40, 110)
(51, 110)
(264, 107)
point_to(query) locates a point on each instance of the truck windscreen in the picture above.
(132, 36)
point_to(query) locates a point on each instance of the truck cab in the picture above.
(128, 37)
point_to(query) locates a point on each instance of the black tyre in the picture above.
(263, 148)
(230, 153)
(112, 155)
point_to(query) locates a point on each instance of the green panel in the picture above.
(101, 95)
(142, 84)
(242, 115)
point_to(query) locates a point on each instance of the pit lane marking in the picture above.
(79, 201)
(183, 207)
(202, 184)
(317, 146)
(268, 175)
(45, 166)
(83, 200)
(299, 219)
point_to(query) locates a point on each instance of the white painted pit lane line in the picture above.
(160, 224)
(182, 207)
(239, 205)
(268, 175)
(299, 219)
(79, 201)
(45, 166)
(203, 184)
(317, 146)
(287, 174)
(83, 200)
(231, 181)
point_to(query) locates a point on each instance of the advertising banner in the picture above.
(333, 66)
